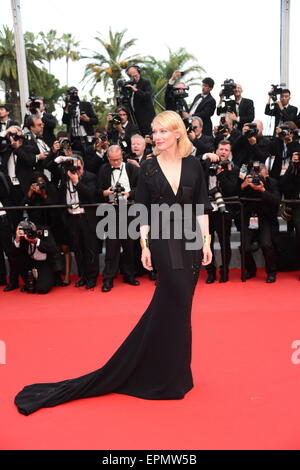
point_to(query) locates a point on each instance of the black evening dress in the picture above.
(154, 360)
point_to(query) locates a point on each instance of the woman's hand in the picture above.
(207, 254)
(146, 259)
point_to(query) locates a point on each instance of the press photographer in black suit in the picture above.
(260, 217)
(120, 129)
(6, 234)
(141, 99)
(243, 111)
(176, 93)
(36, 107)
(226, 131)
(204, 106)
(282, 147)
(96, 153)
(281, 109)
(289, 183)
(202, 143)
(78, 116)
(252, 145)
(115, 173)
(77, 187)
(222, 178)
(33, 252)
(5, 120)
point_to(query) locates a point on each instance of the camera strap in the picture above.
(113, 176)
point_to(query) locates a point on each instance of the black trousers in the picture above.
(296, 220)
(223, 232)
(6, 247)
(45, 278)
(84, 242)
(112, 258)
(267, 235)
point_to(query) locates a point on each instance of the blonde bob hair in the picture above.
(173, 122)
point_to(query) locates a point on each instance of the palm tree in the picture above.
(8, 65)
(69, 45)
(50, 45)
(160, 71)
(107, 66)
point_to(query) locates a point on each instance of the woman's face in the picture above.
(164, 138)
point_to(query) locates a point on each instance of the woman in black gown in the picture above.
(154, 360)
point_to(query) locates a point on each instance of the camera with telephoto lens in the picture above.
(73, 101)
(178, 95)
(228, 88)
(124, 92)
(276, 90)
(116, 120)
(212, 171)
(222, 129)
(117, 189)
(34, 105)
(117, 195)
(252, 131)
(215, 196)
(285, 131)
(188, 122)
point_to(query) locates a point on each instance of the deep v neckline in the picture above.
(180, 177)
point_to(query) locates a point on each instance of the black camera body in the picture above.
(124, 92)
(252, 131)
(276, 90)
(222, 129)
(188, 122)
(29, 229)
(117, 189)
(228, 88)
(41, 185)
(212, 171)
(68, 165)
(285, 131)
(253, 169)
(34, 105)
(116, 120)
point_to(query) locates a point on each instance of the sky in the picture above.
(230, 39)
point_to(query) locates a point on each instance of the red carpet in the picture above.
(247, 390)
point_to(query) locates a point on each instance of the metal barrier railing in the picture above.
(228, 201)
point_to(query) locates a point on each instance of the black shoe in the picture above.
(271, 277)
(80, 283)
(10, 287)
(211, 277)
(250, 274)
(152, 276)
(132, 281)
(107, 285)
(90, 284)
(223, 277)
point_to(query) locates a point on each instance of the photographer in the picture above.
(42, 193)
(226, 131)
(78, 186)
(141, 99)
(36, 107)
(18, 165)
(251, 145)
(289, 184)
(222, 178)
(239, 109)
(281, 109)
(78, 116)
(175, 95)
(117, 182)
(202, 143)
(33, 252)
(283, 145)
(260, 218)
(204, 106)
(120, 129)
(96, 153)
(5, 121)
(6, 235)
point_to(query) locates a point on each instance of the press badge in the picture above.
(15, 181)
(253, 223)
(46, 233)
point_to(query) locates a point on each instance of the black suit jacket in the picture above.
(114, 136)
(287, 114)
(84, 106)
(204, 144)
(49, 125)
(205, 110)
(9, 123)
(143, 106)
(104, 179)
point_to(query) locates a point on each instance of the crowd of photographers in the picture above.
(86, 165)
